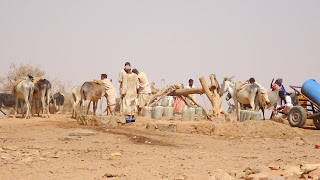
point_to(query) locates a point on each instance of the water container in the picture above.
(311, 89)
(165, 101)
(185, 116)
(147, 111)
(199, 111)
(168, 112)
(192, 112)
(157, 112)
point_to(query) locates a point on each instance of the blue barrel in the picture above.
(311, 89)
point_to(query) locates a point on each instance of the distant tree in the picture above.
(17, 71)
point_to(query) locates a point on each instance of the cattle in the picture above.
(42, 90)
(58, 100)
(23, 89)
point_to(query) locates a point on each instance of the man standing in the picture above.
(129, 92)
(191, 86)
(144, 89)
(121, 76)
(111, 92)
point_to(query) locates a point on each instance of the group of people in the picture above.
(133, 85)
(135, 91)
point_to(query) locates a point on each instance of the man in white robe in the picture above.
(129, 93)
(144, 90)
(111, 92)
(120, 79)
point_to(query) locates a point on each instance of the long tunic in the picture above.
(130, 85)
(111, 91)
(144, 89)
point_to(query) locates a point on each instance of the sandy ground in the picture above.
(41, 148)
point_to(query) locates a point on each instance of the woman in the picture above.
(179, 104)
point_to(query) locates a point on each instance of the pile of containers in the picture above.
(166, 110)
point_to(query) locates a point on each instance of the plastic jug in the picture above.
(157, 112)
(168, 112)
(147, 111)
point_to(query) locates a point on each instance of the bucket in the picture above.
(188, 115)
(168, 112)
(130, 120)
(192, 113)
(147, 111)
(311, 89)
(165, 101)
(185, 116)
(157, 112)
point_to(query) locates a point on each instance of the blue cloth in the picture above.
(282, 87)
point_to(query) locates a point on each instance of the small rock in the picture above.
(315, 174)
(2, 150)
(291, 171)
(309, 167)
(152, 126)
(240, 175)
(261, 175)
(82, 133)
(274, 167)
(180, 177)
(222, 175)
(27, 160)
(11, 148)
(5, 156)
(68, 139)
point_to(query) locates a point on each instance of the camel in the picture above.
(23, 89)
(249, 94)
(42, 91)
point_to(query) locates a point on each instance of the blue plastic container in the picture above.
(311, 89)
(130, 120)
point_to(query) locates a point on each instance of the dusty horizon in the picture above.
(172, 40)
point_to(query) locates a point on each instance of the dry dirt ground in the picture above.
(41, 148)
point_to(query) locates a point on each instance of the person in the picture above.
(278, 86)
(218, 88)
(129, 93)
(264, 94)
(280, 107)
(120, 79)
(191, 86)
(179, 104)
(144, 90)
(111, 92)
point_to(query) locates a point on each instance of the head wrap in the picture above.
(214, 75)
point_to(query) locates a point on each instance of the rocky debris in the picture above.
(188, 127)
(112, 121)
(81, 132)
(221, 175)
(271, 172)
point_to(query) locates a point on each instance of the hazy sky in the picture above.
(174, 40)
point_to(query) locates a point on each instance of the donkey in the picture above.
(23, 89)
(42, 90)
(91, 91)
(249, 94)
(76, 95)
